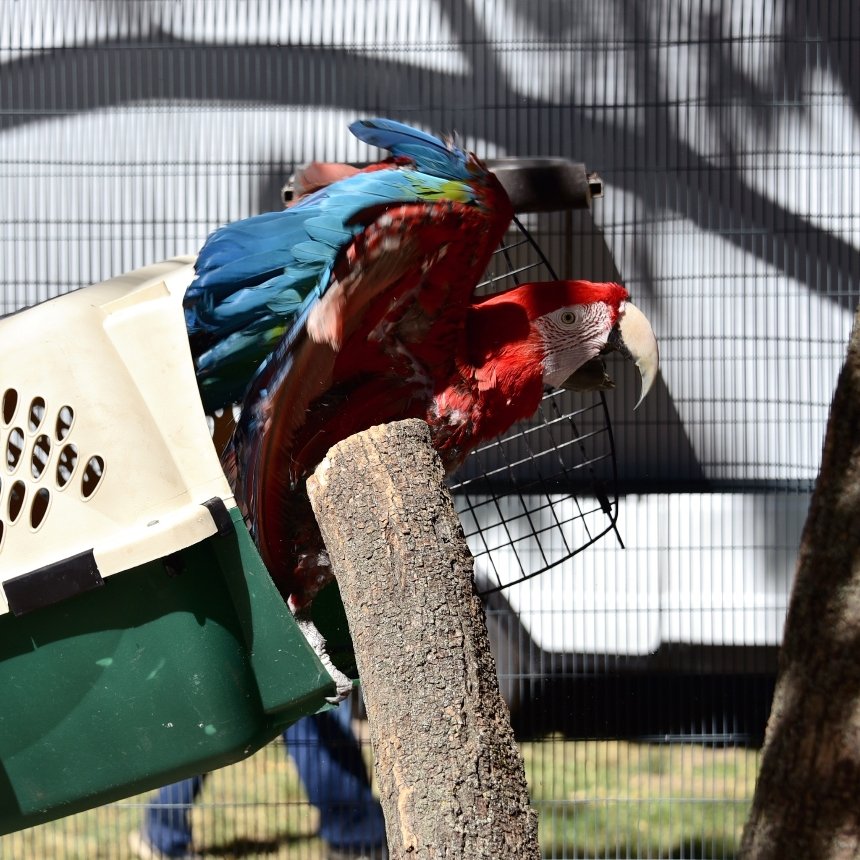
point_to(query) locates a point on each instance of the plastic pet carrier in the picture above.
(141, 637)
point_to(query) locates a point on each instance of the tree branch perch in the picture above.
(451, 777)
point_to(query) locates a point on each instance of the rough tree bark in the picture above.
(807, 799)
(451, 778)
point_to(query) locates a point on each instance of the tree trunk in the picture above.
(807, 799)
(451, 779)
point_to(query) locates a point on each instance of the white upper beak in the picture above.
(638, 342)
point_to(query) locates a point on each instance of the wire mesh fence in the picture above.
(726, 136)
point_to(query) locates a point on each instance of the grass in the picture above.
(617, 799)
(595, 799)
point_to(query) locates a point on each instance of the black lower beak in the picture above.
(592, 376)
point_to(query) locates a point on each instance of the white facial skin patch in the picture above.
(572, 336)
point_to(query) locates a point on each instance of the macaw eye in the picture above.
(568, 317)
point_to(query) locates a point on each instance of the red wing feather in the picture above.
(386, 335)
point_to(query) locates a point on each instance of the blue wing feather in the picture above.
(328, 229)
(430, 154)
(256, 277)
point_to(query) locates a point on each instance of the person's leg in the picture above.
(329, 761)
(166, 822)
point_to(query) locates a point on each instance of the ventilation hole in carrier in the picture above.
(39, 508)
(66, 463)
(16, 500)
(10, 404)
(41, 453)
(92, 477)
(2, 527)
(14, 448)
(64, 422)
(36, 414)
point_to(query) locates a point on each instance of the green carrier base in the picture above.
(173, 668)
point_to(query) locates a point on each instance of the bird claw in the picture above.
(343, 691)
(343, 684)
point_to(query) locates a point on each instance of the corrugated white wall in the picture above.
(728, 138)
(727, 135)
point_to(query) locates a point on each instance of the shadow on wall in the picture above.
(636, 145)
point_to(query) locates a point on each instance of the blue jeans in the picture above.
(328, 758)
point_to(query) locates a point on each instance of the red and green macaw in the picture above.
(356, 306)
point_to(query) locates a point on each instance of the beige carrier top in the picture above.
(106, 461)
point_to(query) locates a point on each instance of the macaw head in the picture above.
(573, 323)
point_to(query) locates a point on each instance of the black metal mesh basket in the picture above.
(547, 489)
